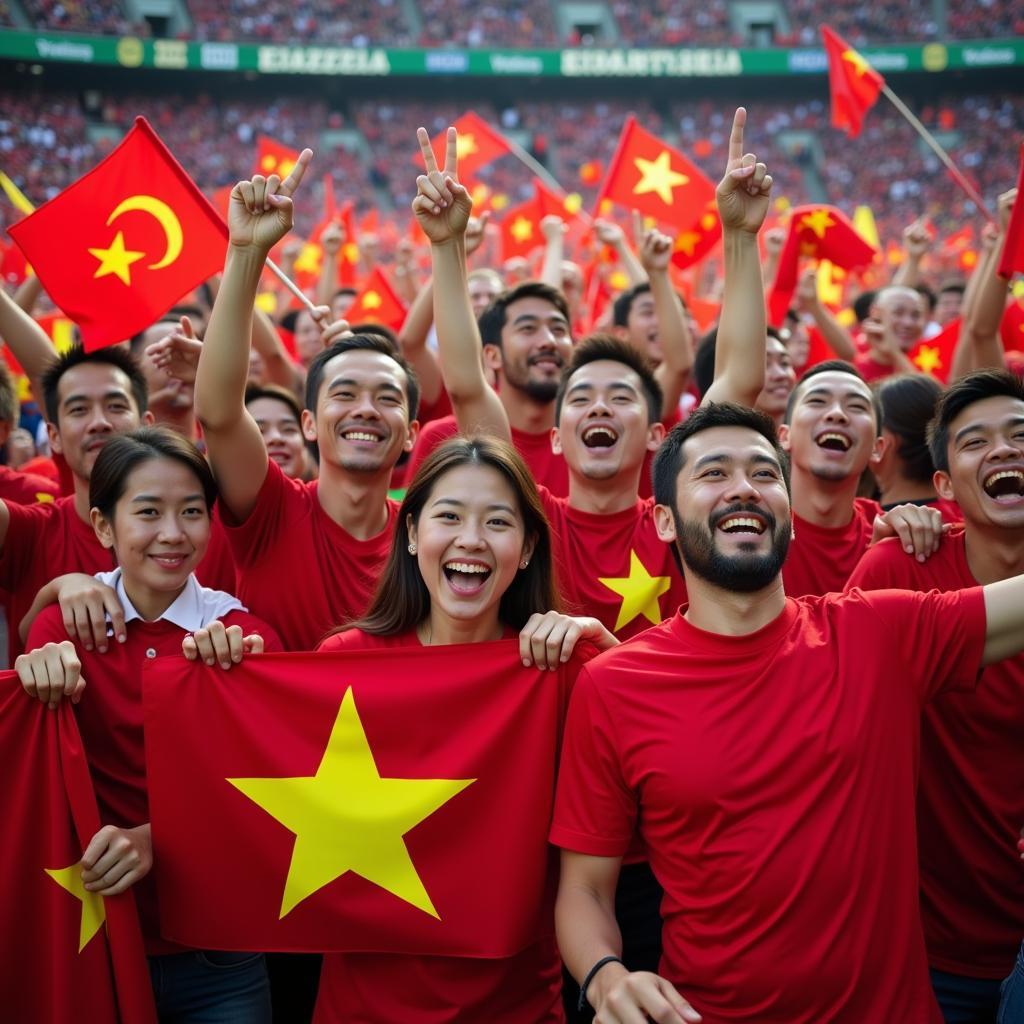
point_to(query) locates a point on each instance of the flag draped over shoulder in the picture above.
(121, 245)
(386, 800)
(65, 955)
(853, 84)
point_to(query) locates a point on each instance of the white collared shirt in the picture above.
(194, 608)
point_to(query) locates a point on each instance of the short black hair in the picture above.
(974, 387)
(254, 392)
(623, 305)
(606, 346)
(908, 405)
(927, 294)
(704, 360)
(357, 343)
(669, 461)
(380, 330)
(113, 355)
(863, 303)
(833, 366)
(953, 285)
(493, 318)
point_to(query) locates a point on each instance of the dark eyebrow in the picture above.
(534, 318)
(828, 392)
(156, 498)
(106, 397)
(1014, 421)
(761, 457)
(496, 507)
(351, 383)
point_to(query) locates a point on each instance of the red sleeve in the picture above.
(26, 529)
(429, 438)
(936, 640)
(48, 628)
(275, 510)
(595, 810)
(435, 410)
(879, 568)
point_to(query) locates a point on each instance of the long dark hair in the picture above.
(402, 601)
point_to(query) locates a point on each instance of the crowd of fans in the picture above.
(671, 23)
(104, 17)
(882, 21)
(491, 23)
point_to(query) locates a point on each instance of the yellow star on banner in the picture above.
(819, 221)
(372, 300)
(619, 280)
(94, 913)
(687, 242)
(116, 260)
(521, 229)
(268, 163)
(465, 145)
(860, 65)
(928, 359)
(348, 818)
(639, 592)
(44, 498)
(308, 260)
(658, 176)
(351, 252)
(708, 221)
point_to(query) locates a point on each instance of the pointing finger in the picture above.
(291, 183)
(451, 156)
(736, 138)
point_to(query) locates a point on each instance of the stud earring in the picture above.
(524, 563)
(412, 548)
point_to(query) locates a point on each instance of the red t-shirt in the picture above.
(110, 719)
(374, 988)
(49, 540)
(297, 568)
(870, 369)
(772, 779)
(821, 558)
(614, 567)
(970, 802)
(26, 488)
(548, 469)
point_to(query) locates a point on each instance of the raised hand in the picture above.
(1004, 208)
(476, 232)
(260, 211)
(916, 240)
(807, 290)
(744, 191)
(654, 250)
(442, 206)
(774, 239)
(178, 353)
(608, 232)
(332, 238)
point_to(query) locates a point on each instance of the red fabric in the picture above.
(436, 989)
(950, 510)
(289, 538)
(48, 540)
(26, 488)
(853, 84)
(970, 804)
(870, 369)
(480, 144)
(41, 465)
(696, 241)
(935, 355)
(377, 303)
(110, 718)
(1012, 258)
(106, 308)
(548, 469)
(821, 558)
(1011, 327)
(273, 157)
(782, 827)
(426, 714)
(49, 805)
(590, 547)
(520, 229)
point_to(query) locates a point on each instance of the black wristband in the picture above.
(581, 1005)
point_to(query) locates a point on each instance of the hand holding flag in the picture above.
(260, 212)
(744, 191)
(442, 206)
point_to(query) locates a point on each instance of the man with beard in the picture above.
(765, 749)
(971, 796)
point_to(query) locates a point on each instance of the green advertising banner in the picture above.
(580, 62)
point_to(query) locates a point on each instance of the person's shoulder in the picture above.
(645, 649)
(866, 509)
(887, 565)
(356, 640)
(439, 429)
(47, 628)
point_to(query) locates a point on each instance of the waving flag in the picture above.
(853, 83)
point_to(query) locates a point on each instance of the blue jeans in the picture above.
(1011, 1008)
(210, 987)
(965, 1000)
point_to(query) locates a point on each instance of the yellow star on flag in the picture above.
(819, 221)
(116, 260)
(308, 260)
(658, 176)
(708, 221)
(94, 913)
(348, 818)
(372, 300)
(44, 498)
(639, 592)
(687, 242)
(928, 359)
(521, 229)
(861, 66)
(268, 162)
(465, 145)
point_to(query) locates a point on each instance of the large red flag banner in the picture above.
(66, 955)
(853, 84)
(379, 801)
(116, 249)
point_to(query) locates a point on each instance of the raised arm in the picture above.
(280, 369)
(835, 334)
(609, 233)
(916, 243)
(442, 206)
(260, 213)
(27, 340)
(1004, 620)
(553, 229)
(332, 238)
(742, 195)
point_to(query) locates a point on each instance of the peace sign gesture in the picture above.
(744, 191)
(442, 206)
(260, 210)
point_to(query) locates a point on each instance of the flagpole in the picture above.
(937, 149)
(291, 286)
(538, 168)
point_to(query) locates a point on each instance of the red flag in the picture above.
(935, 355)
(13, 265)
(818, 232)
(377, 303)
(648, 175)
(273, 157)
(1011, 328)
(116, 249)
(852, 82)
(520, 229)
(65, 955)
(1012, 259)
(386, 800)
(479, 144)
(693, 244)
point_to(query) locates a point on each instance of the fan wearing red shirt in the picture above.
(832, 434)
(971, 794)
(782, 829)
(152, 494)
(894, 325)
(308, 555)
